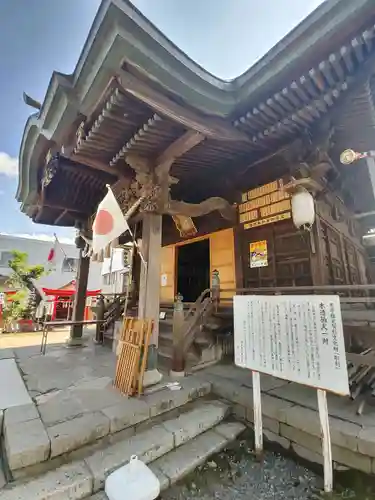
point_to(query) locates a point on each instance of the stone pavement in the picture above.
(74, 405)
(77, 428)
(74, 410)
(69, 389)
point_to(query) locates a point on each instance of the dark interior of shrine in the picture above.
(193, 269)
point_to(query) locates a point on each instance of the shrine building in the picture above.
(215, 162)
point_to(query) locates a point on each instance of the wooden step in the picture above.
(223, 314)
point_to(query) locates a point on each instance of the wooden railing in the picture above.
(109, 313)
(323, 289)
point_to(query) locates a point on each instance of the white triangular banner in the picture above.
(109, 222)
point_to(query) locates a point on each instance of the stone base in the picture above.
(174, 374)
(151, 377)
(291, 418)
(74, 342)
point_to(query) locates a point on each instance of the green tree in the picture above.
(27, 298)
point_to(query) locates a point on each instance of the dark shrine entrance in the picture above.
(193, 269)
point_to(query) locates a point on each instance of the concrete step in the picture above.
(84, 477)
(37, 438)
(165, 353)
(165, 336)
(225, 314)
(180, 462)
(175, 465)
(167, 323)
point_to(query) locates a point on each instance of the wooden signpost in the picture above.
(297, 338)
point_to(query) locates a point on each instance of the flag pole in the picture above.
(58, 244)
(110, 266)
(127, 216)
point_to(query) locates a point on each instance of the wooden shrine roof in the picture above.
(150, 101)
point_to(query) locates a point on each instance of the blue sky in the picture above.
(39, 36)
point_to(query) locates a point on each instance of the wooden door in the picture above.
(288, 253)
(167, 273)
(222, 259)
(333, 258)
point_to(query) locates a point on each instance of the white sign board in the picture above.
(293, 337)
(164, 280)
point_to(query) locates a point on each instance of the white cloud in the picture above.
(41, 237)
(8, 165)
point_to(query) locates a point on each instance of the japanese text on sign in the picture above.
(260, 205)
(297, 338)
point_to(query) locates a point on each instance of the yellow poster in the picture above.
(258, 254)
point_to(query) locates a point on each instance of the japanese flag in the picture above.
(52, 254)
(109, 223)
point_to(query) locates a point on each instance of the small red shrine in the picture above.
(58, 302)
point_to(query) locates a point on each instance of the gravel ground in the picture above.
(236, 474)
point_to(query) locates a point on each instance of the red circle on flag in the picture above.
(103, 222)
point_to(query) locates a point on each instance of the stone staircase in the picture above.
(211, 339)
(172, 431)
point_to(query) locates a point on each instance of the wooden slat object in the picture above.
(132, 355)
(146, 342)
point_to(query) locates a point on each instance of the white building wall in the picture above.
(115, 271)
(38, 251)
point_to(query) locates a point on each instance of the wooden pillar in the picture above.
(149, 289)
(100, 309)
(79, 300)
(238, 257)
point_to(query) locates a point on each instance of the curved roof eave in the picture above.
(118, 29)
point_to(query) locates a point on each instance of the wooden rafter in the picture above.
(95, 165)
(210, 127)
(151, 122)
(178, 148)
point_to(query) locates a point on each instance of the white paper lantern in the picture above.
(303, 210)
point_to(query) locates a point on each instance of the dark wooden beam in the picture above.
(94, 165)
(74, 210)
(216, 128)
(60, 217)
(80, 300)
(178, 148)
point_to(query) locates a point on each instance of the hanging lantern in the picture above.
(303, 209)
(349, 156)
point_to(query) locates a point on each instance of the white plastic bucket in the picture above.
(133, 481)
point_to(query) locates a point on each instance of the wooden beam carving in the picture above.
(227, 210)
(154, 183)
(210, 127)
